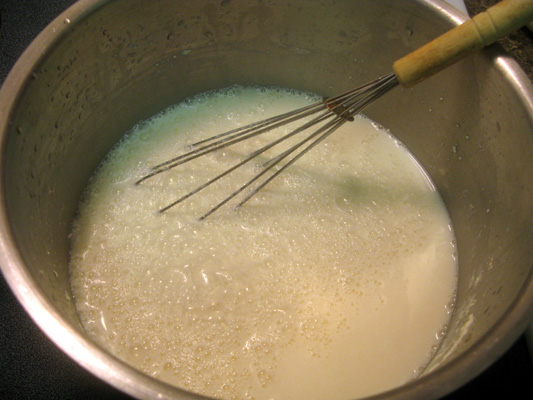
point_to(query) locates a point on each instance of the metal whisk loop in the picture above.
(332, 113)
(229, 138)
(251, 156)
(330, 127)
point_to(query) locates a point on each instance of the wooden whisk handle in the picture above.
(482, 30)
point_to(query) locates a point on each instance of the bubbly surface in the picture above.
(334, 282)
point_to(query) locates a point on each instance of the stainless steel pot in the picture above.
(104, 65)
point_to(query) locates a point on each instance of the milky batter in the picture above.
(334, 282)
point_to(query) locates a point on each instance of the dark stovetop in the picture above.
(31, 367)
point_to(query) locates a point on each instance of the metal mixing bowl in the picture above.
(104, 65)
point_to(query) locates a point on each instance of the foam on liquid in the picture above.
(333, 283)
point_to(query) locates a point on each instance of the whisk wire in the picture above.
(332, 125)
(251, 156)
(234, 136)
(332, 113)
(281, 118)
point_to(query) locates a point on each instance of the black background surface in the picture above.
(32, 367)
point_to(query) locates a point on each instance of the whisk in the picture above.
(329, 114)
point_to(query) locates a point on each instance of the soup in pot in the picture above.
(335, 281)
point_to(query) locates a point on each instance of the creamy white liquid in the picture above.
(333, 283)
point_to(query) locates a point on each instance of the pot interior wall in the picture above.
(129, 59)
